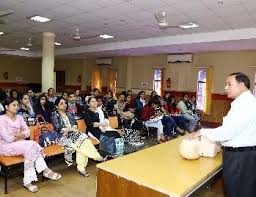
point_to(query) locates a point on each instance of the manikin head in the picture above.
(201, 146)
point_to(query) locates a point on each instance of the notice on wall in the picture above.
(19, 79)
(143, 84)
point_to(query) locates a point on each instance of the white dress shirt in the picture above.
(239, 125)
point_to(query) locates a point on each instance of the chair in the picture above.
(113, 123)
(81, 125)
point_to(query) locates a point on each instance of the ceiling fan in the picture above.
(77, 36)
(162, 21)
(5, 13)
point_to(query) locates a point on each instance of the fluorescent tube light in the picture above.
(106, 36)
(40, 19)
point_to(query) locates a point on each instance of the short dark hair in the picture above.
(98, 98)
(71, 93)
(57, 101)
(50, 89)
(123, 93)
(242, 78)
(12, 91)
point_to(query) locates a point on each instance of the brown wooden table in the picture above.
(157, 171)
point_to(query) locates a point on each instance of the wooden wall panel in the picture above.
(110, 185)
(218, 110)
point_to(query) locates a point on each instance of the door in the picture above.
(60, 81)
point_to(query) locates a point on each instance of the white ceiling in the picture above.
(125, 19)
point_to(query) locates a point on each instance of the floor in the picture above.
(73, 184)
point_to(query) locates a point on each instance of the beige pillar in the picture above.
(48, 80)
(128, 84)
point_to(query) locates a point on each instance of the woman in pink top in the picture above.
(13, 131)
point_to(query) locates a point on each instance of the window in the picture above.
(157, 82)
(201, 90)
(96, 78)
(112, 80)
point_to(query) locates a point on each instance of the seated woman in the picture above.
(26, 110)
(14, 94)
(188, 114)
(108, 104)
(92, 120)
(167, 98)
(130, 105)
(101, 108)
(175, 113)
(2, 99)
(139, 103)
(124, 117)
(72, 139)
(148, 115)
(43, 109)
(103, 116)
(155, 116)
(13, 131)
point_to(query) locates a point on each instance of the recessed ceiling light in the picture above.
(24, 48)
(57, 43)
(40, 19)
(189, 25)
(106, 36)
(1, 33)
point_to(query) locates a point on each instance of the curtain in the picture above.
(208, 97)
(112, 80)
(96, 78)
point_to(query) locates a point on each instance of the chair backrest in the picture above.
(113, 122)
(81, 125)
(32, 132)
(35, 127)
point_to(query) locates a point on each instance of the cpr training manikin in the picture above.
(201, 146)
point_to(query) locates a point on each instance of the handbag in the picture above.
(112, 143)
(44, 134)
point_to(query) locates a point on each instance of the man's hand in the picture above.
(193, 135)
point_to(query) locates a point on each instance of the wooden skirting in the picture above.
(21, 87)
(210, 124)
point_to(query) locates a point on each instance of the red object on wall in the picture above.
(168, 82)
(6, 75)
